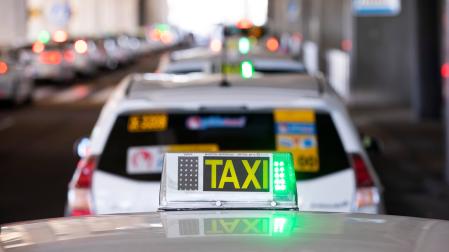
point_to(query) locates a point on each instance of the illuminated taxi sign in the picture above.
(228, 180)
(236, 174)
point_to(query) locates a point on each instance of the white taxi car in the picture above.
(203, 61)
(228, 202)
(151, 114)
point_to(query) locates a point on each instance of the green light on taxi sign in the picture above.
(244, 45)
(247, 69)
(284, 179)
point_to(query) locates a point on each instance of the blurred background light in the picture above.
(272, 44)
(216, 45)
(81, 46)
(209, 13)
(3, 67)
(44, 36)
(38, 47)
(60, 36)
(244, 45)
(247, 69)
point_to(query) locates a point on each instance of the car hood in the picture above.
(228, 231)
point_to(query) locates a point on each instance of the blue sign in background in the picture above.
(376, 7)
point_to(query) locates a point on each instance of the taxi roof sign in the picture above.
(228, 181)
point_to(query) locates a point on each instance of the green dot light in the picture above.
(44, 37)
(244, 45)
(247, 69)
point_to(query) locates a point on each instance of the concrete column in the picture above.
(445, 61)
(386, 61)
(13, 20)
(285, 15)
(322, 22)
(104, 16)
(426, 99)
(156, 11)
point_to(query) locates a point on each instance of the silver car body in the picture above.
(16, 84)
(224, 231)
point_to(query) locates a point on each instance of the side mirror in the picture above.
(371, 145)
(81, 147)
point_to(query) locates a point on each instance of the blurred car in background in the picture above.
(86, 57)
(16, 83)
(151, 114)
(53, 61)
(102, 57)
(118, 52)
(165, 35)
(200, 60)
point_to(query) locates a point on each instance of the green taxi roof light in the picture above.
(247, 69)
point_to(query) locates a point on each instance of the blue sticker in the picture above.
(308, 143)
(295, 128)
(286, 142)
(207, 122)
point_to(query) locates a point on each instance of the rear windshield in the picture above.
(137, 141)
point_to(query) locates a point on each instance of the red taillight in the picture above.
(51, 58)
(38, 47)
(85, 170)
(362, 174)
(244, 24)
(3, 67)
(69, 56)
(80, 212)
(80, 193)
(346, 45)
(445, 71)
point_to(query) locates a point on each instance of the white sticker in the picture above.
(145, 160)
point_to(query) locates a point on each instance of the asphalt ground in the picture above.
(37, 160)
(411, 162)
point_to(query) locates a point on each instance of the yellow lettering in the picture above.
(214, 228)
(251, 174)
(251, 226)
(265, 174)
(231, 178)
(133, 124)
(213, 164)
(229, 226)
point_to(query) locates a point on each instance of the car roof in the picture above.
(224, 231)
(166, 86)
